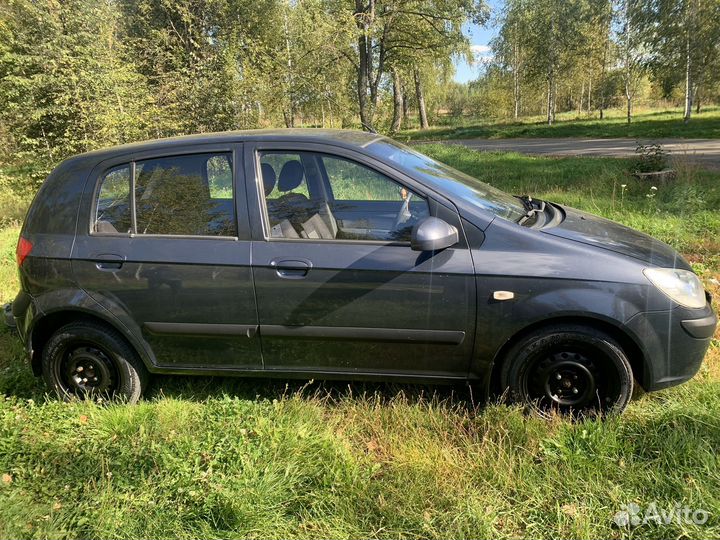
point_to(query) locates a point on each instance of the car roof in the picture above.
(340, 137)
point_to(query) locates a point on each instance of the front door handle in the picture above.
(108, 261)
(291, 268)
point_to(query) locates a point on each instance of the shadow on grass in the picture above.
(202, 388)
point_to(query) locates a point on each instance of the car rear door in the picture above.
(164, 250)
(350, 296)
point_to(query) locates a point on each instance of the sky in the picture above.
(480, 39)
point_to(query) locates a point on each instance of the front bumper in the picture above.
(673, 342)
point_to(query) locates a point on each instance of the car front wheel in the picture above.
(571, 369)
(89, 360)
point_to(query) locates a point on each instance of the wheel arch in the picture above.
(46, 326)
(634, 352)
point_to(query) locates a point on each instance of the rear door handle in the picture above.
(108, 261)
(291, 268)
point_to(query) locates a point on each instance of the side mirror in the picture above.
(433, 234)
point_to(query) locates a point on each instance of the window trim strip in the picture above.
(133, 215)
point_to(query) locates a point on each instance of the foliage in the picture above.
(651, 157)
(563, 55)
(81, 74)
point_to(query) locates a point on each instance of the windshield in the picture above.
(446, 179)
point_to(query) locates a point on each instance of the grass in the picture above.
(220, 458)
(646, 124)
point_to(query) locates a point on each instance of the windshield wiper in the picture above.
(531, 208)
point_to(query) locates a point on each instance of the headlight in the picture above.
(682, 286)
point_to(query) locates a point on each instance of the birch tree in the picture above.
(683, 40)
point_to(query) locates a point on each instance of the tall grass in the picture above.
(219, 458)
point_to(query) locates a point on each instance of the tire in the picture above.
(90, 360)
(571, 369)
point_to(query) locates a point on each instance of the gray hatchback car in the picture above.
(341, 254)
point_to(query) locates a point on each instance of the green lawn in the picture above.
(646, 124)
(219, 458)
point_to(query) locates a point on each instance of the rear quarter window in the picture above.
(112, 209)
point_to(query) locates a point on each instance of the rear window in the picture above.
(190, 195)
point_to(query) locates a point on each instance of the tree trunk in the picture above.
(397, 103)
(589, 98)
(405, 102)
(421, 101)
(628, 67)
(363, 17)
(688, 80)
(607, 23)
(603, 73)
(516, 95)
(697, 101)
(549, 100)
(551, 97)
(582, 97)
(362, 84)
(516, 78)
(290, 113)
(629, 107)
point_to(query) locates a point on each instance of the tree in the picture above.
(630, 44)
(553, 42)
(684, 42)
(388, 31)
(602, 50)
(510, 45)
(65, 83)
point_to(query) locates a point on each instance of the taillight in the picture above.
(24, 247)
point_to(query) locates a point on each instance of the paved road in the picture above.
(705, 152)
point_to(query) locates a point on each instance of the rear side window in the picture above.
(112, 211)
(189, 195)
(173, 196)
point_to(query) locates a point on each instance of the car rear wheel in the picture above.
(570, 369)
(88, 360)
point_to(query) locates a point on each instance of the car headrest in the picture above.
(291, 175)
(268, 177)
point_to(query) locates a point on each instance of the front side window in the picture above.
(112, 208)
(185, 195)
(318, 196)
(353, 182)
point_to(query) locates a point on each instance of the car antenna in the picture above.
(369, 128)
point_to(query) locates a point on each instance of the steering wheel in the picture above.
(404, 213)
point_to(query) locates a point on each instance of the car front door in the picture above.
(164, 248)
(338, 288)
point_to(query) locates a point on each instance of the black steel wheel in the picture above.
(90, 360)
(85, 369)
(570, 369)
